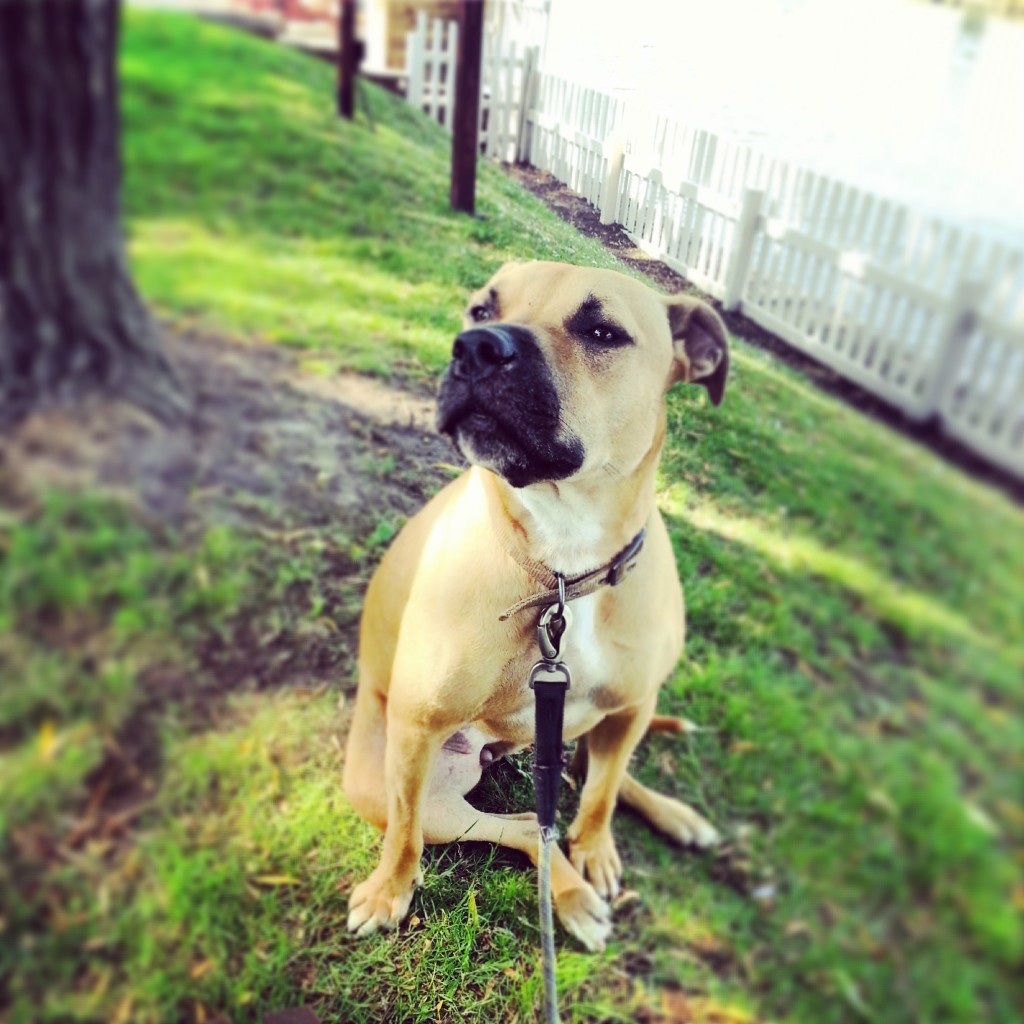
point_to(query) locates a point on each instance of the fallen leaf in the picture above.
(676, 1007)
(102, 984)
(123, 1011)
(275, 880)
(201, 969)
(1017, 899)
(742, 747)
(708, 1010)
(46, 741)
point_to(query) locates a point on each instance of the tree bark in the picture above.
(71, 319)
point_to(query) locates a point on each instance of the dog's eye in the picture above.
(605, 334)
(479, 313)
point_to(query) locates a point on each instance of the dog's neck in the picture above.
(576, 525)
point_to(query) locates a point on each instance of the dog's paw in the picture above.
(687, 827)
(380, 903)
(585, 916)
(596, 859)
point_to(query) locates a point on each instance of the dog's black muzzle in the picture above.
(497, 368)
(499, 394)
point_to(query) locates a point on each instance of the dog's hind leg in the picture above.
(674, 818)
(363, 776)
(450, 818)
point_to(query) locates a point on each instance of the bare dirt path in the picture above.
(267, 444)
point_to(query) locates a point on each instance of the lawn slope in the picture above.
(854, 656)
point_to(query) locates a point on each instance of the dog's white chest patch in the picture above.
(588, 666)
(581, 648)
(590, 673)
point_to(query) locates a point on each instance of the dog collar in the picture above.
(611, 574)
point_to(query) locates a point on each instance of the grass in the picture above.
(855, 652)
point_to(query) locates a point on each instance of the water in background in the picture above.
(914, 102)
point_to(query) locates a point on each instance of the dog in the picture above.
(555, 396)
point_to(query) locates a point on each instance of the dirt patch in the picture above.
(265, 445)
(310, 466)
(298, 461)
(587, 220)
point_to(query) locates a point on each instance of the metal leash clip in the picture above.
(553, 625)
(549, 672)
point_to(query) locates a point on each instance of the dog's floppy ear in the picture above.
(700, 344)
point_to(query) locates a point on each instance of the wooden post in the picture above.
(346, 58)
(466, 124)
(525, 106)
(614, 154)
(415, 45)
(958, 323)
(742, 248)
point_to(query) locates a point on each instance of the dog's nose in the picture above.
(477, 353)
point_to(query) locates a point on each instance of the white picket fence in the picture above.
(925, 314)
(506, 69)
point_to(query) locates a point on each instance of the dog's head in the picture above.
(562, 370)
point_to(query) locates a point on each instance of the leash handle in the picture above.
(549, 681)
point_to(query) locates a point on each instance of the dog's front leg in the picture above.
(610, 745)
(382, 901)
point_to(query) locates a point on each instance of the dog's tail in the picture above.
(669, 723)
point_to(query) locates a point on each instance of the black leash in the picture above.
(550, 680)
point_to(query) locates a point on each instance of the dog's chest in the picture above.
(582, 648)
(589, 656)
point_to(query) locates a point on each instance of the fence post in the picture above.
(346, 61)
(614, 153)
(957, 325)
(414, 60)
(451, 85)
(742, 248)
(525, 103)
(466, 122)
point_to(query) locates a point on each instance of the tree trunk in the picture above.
(70, 317)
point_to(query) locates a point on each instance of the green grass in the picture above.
(254, 211)
(855, 651)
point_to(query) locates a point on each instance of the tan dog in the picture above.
(555, 394)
